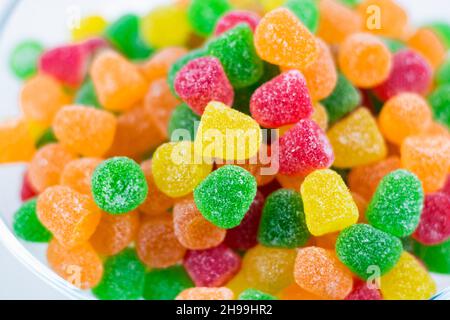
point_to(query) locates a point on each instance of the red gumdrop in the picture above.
(283, 100)
(26, 192)
(410, 73)
(212, 267)
(434, 225)
(244, 236)
(233, 18)
(94, 44)
(201, 81)
(446, 187)
(303, 149)
(362, 292)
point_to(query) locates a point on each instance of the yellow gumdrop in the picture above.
(91, 26)
(356, 140)
(320, 116)
(227, 134)
(166, 26)
(328, 204)
(16, 143)
(408, 280)
(176, 169)
(269, 5)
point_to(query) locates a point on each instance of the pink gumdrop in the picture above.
(26, 192)
(303, 149)
(233, 18)
(283, 100)
(362, 292)
(244, 236)
(434, 225)
(201, 81)
(410, 73)
(446, 187)
(212, 267)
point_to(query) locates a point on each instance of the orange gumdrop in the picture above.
(437, 128)
(156, 243)
(160, 103)
(282, 39)
(86, 131)
(41, 98)
(426, 42)
(70, 216)
(80, 266)
(160, 63)
(364, 180)
(428, 157)
(365, 60)
(118, 83)
(47, 165)
(404, 115)
(192, 230)
(337, 21)
(203, 293)
(318, 271)
(77, 174)
(294, 292)
(114, 233)
(16, 143)
(157, 202)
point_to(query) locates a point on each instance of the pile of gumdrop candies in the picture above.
(359, 207)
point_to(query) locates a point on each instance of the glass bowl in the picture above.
(48, 21)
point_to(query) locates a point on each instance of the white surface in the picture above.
(16, 281)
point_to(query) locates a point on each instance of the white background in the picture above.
(17, 282)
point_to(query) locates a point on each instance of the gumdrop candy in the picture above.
(27, 192)
(77, 174)
(233, 18)
(24, 58)
(159, 65)
(442, 75)
(203, 15)
(16, 143)
(183, 124)
(438, 100)
(166, 284)
(295, 292)
(86, 95)
(307, 11)
(427, 43)
(253, 294)
(27, 226)
(362, 291)
(90, 26)
(202, 293)
(436, 258)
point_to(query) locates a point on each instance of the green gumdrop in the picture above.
(344, 99)
(166, 284)
(442, 29)
(366, 250)
(393, 44)
(183, 118)
(283, 223)
(119, 185)
(307, 11)
(27, 226)
(396, 206)
(237, 53)
(24, 58)
(443, 73)
(124, 34)
(350, 3)
(253, 294)
(436, 258)
(225, 196)
(47, 137)
(203, 15)
(439, 100)
(86, 95)
(376, 103)
(123, 277)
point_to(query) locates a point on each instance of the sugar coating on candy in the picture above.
(123, 278)
(82, 259)
(235, 17)
(318, 271)
(281, 101)
(236, 51)
(404, 115)
(166, 284)
(119, 185)
(225, 196)
(156, 243)
(362, 248)
(434, 225)
(362, 291)
(304, 148)
(253, 294)
(203, 80)
(436, 258)
(283, 222)
(410, 73)
(204, 14)
(356, 140)
(227, 134)
(438, 100)
(16, 143)
(282, 39)
(202, 293)
(77, 174)
(158, 66)
(27, 192)
(427, 42)
(327, 202)
(212, 267)
(176, 170)
(24, 58)
(244, 236)
(192, 229)
(27, 226)
(307, 11)
(86, 95)
(183, 118)
(344, 99)
(408, 280)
